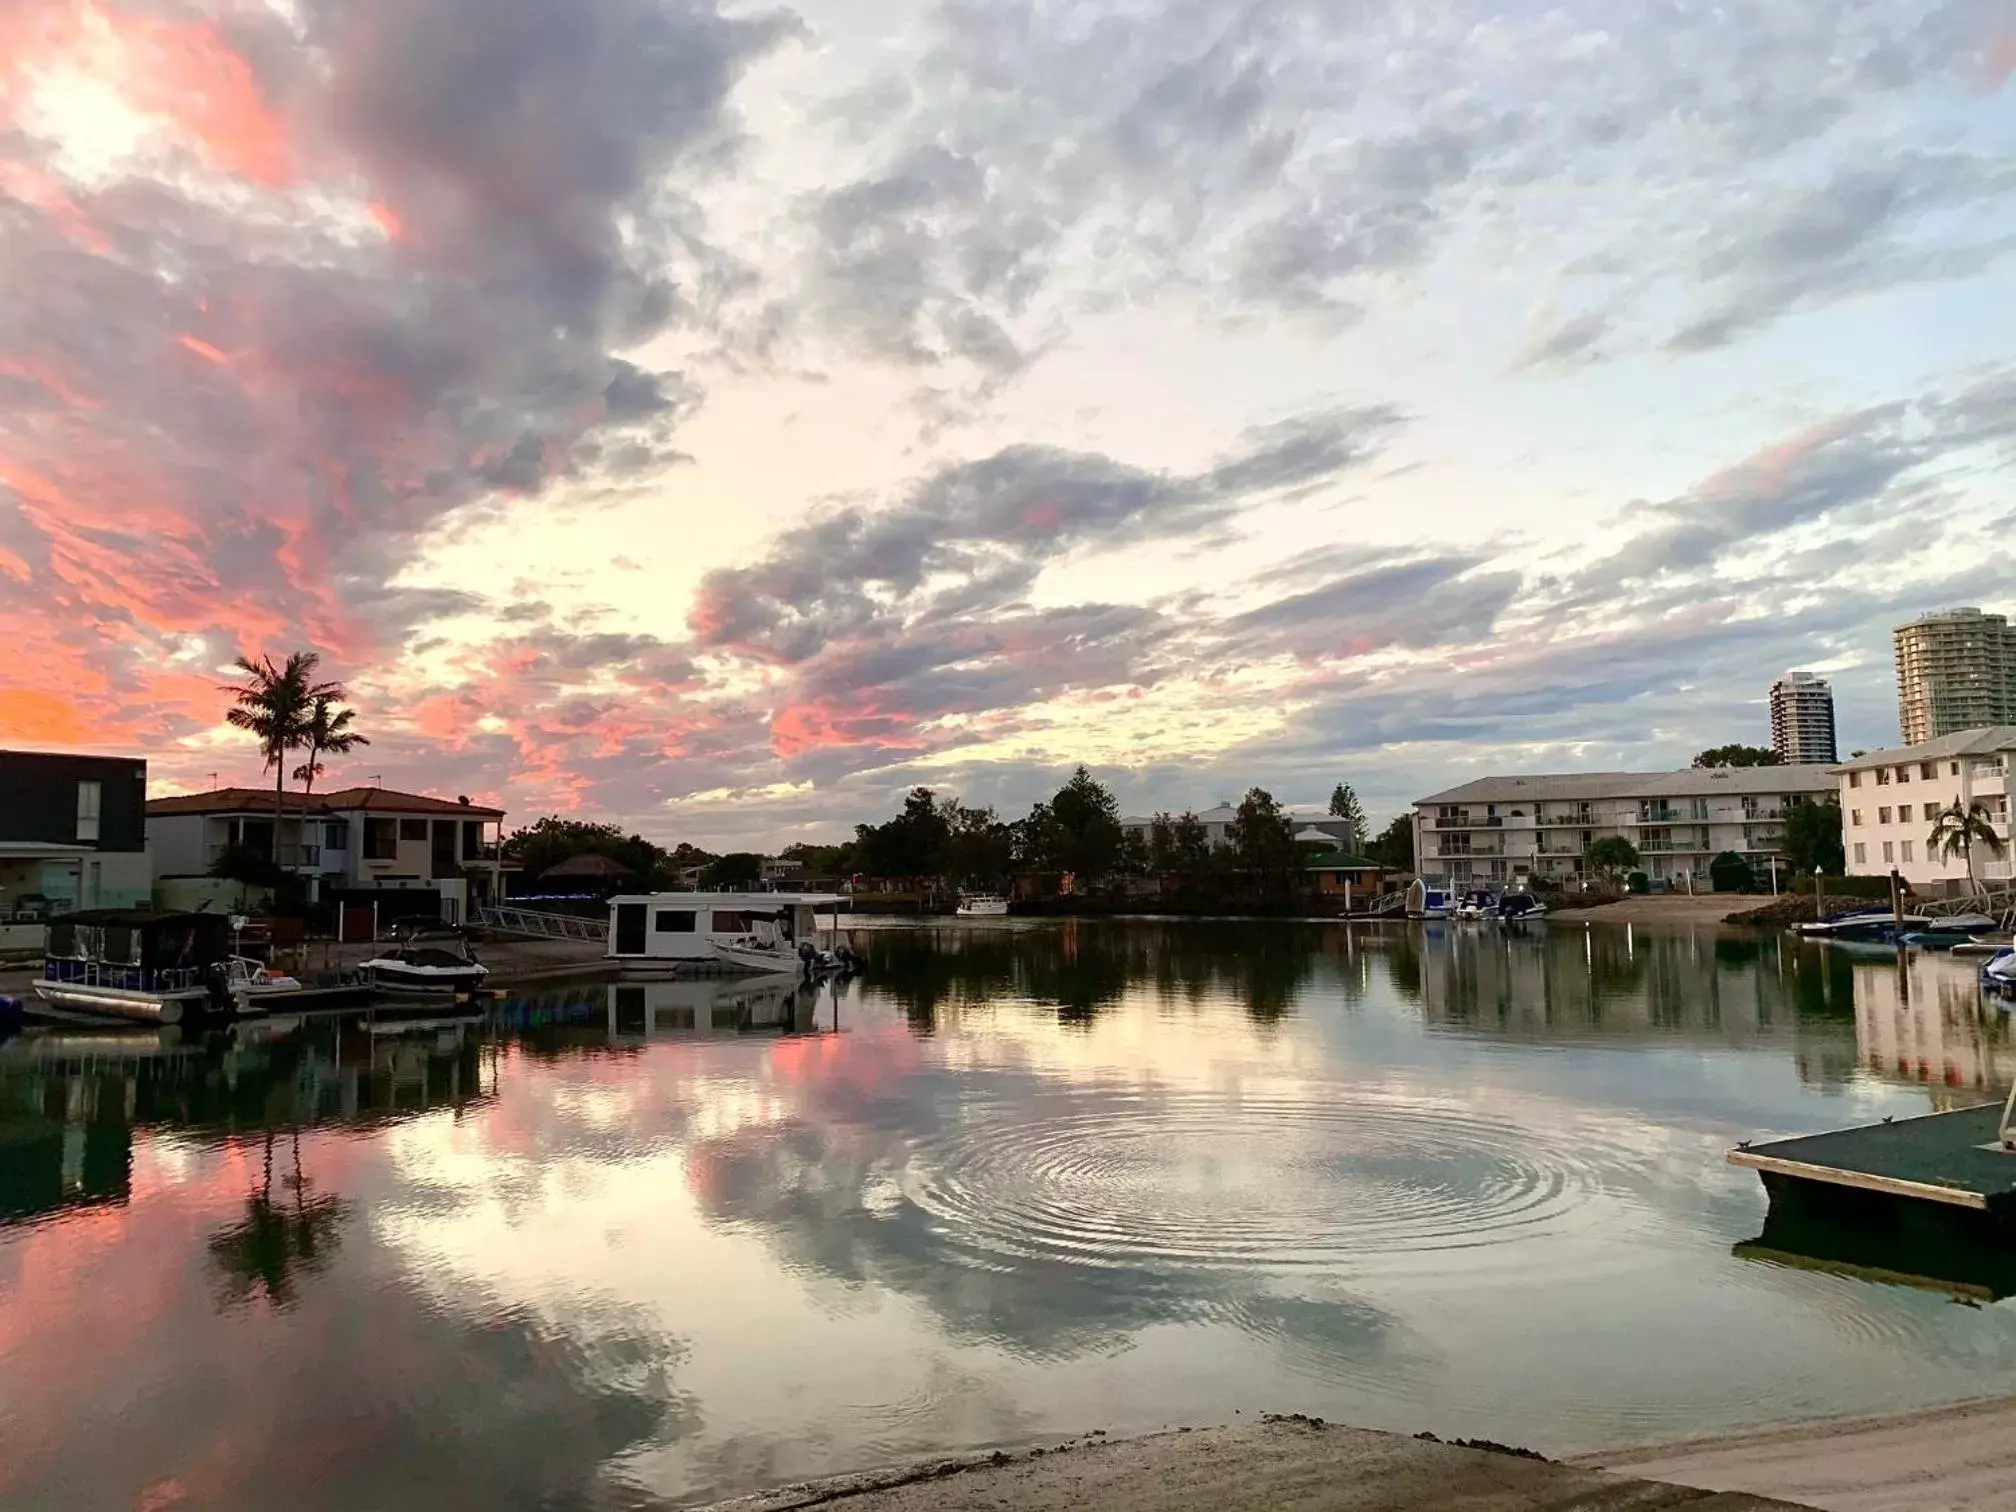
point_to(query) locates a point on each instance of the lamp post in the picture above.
(1819, 911)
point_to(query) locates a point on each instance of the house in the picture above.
(1345, 875)
(1218, 824)
(72, 834)
(353, 840)
(1506, 829)
(1890, 801)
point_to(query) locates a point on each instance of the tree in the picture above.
(1958, 829)
(1081, 832)
(1612, 854)
(274, 704)
(734, 872)
(326, 732)
(1263, 838)
(981, 848)
(1739, 756)
(541, 846)
(1344, 804)
(916, 843)
(1729, 872)
(1394, 848)
(1813, 838)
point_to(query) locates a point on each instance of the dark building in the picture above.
(73, 833)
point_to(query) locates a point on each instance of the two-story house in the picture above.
(350, 841)
(72, 834)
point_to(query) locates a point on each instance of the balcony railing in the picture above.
(1494, 821)
(1659, 816)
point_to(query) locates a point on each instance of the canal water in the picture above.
(618, 1246)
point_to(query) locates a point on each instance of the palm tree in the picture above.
(274, 704)
(1959, 829)
(326, 732)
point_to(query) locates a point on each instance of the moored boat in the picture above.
(1427, 901)
(1520, 905)
(1478, 903)
(133, 964)
(428, 965)
(982, 906)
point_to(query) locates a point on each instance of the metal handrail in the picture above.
(539, 924)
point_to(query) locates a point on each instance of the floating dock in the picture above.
(1960, 1159)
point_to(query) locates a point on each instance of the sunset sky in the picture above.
(722, 417)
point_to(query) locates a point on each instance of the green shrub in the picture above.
(1729, 872)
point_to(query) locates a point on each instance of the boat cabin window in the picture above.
(672, 1018)
(63, 941)
(121, 945)
(725, 1018)
(729, 921)
(413, 830)
(677, 921)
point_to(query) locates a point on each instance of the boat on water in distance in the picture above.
(1520, 905)
(982, 906)
(1478, 903)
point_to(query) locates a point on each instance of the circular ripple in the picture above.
(1200, 1181)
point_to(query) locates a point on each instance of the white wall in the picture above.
(1865, 831)
(178, 844)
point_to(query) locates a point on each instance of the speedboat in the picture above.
(1520, 905)
(771, 954)
(1999, 970)
(982, 906)
(1478, 903)
(427, 965)
(1864, 923)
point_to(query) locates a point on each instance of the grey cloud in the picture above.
(1564, 342)
(1425, 602)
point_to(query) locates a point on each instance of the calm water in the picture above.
(614, 1245)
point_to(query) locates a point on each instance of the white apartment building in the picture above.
(1891, 799)
(1802, 720)
(348, 840)
(1502, 829)
(1218, 822)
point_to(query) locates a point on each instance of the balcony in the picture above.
(1495, 821)
(1660, 815)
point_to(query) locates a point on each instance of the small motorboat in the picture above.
(440, 963)
(982, 906)
(769, 954)
(1999, 970)
(1426, 902)
(1478, 903)
(1520, 905)
(1864, 923)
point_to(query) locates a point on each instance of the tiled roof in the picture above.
(1986, 741)
(243, 800)
(1573, 787)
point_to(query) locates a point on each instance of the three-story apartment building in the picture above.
(1503, 829)
(1890, 801)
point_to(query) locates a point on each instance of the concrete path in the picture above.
(1949, 1459)
(1281, 1465)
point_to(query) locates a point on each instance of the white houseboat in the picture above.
(697, 932)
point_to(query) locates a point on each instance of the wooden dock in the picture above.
(1956, 1159)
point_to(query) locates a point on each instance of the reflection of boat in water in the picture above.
(982, 906)
(693, 1007)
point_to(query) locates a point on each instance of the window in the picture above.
(1855, 817)
(725, 1018)
(672, 1018)
(1861, 854)
(88, 796)
(381, 839)
(1954, 770)
(676, 921)
(1931, 811)
(1883, 815)
(1903, 774)
(1882, 776)
(1854, 779)
(1906, 847)
(1889, 851)
(413, 829)
(336, 835)
(727, 921)
(1929, 770)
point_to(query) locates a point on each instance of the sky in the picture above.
(720, 418)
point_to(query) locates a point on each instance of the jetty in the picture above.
(1963, 1160)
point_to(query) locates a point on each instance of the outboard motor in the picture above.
(808, 957)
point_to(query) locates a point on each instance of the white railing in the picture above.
(539, 924)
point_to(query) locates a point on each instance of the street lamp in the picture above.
(1819, 912)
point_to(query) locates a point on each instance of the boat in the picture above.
(136, 965)
(1478, 903)
(982, 906)
(1999, 970)
(765, 952)
(704, 932)
(1425, 901)
(1866, 923)
(1520, 905)
(250, 980)
(427, 963)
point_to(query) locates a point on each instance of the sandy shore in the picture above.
(1660, 908)
(1286, 1464)
(1949, 1459)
